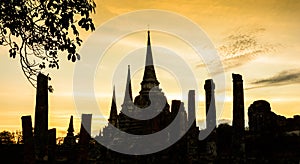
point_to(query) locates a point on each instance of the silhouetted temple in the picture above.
(151, 101)
(270, 139)
(149, 90)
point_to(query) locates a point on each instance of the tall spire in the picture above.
(149, 58)
(71, 127)
(128, 91)
(149, 72)
(70, 138)
(113, 110)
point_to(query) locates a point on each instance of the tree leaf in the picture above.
(78, 56)
(43, 26)
(69, 56)
(73, 58)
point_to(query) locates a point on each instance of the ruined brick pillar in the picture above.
(84, 137)
(210, 104)
(183, 120)
(41, 117)
(211, 140)
(85, 129)
(28, 140)
(51, 145)
(191, 108)
(238, 122)
(175, 108)
(175, 132)
(193, 132)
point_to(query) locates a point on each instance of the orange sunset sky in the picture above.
(257, 39)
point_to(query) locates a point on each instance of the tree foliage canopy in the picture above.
(35, 30)
(7, 137)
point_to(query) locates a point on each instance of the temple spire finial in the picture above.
(113, 110)
(149, 78)
(128, 90)
(149, 51)
(114, 94)
(71, 127)
(70, 139)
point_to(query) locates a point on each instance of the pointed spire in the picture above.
(128, 90)
(149, 72)
(149, 58)
(113, 101)
(113, 110)
(71, 127)
(70, 139)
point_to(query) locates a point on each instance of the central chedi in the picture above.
(146, 124)
(149, 112)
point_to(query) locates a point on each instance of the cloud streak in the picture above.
(241, 47)
(285, 77)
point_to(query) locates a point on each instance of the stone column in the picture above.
(183, 120)
(211, 145)
(41, 117)
(238, 122)
(85, 129)
(193, 132)
(191, 108)
(210, 104)
(175, 108)
(28, 140)
(175, 131)
(51, 145)
(84, 137)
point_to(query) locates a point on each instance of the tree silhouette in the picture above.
(36, 30)
(18, 137)
(7, 137)
(59, 140)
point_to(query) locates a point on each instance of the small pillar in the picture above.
(84, 137)
(28, 140)
(175, 131)
(51, 145)
(191, 108)
(85, 129)
(175, 108)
